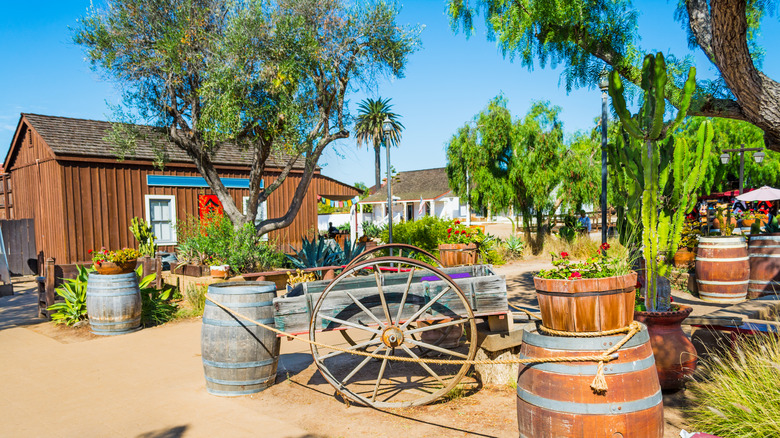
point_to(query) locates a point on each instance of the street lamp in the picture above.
(387, 128)
(604, 85)
(758, 157)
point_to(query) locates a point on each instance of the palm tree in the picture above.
(368, 128)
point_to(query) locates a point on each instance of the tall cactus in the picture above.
(670, 171)
(144, 235)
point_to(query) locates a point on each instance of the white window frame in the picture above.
(262, 213)
(172, 200)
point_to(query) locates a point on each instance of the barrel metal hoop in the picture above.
(114, 332)
(721, 282)
(590, 408)
(765, 255)
(217, 364)
(233, 323)
(601, 343)
(235, 393)
(764, 246)
(722, 246)
(585, 294)
(127, 321)
(101, 293)
(238, 382)
(242, 288)
(765, 282)
(237, 305)
(765, 238)
(735, 259)
(578, 369)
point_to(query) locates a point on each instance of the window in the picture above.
(161, 215)
(262, 214)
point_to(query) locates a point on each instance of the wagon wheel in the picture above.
(399, 314)
(398, 249)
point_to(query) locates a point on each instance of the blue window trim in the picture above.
(194, 181)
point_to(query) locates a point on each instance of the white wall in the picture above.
(338, 219)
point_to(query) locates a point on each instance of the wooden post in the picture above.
(146, 266)
(5, 196)
(49, 283)
(41, 267)
(158, 270)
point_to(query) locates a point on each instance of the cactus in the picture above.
(143, 234)
(666, 170)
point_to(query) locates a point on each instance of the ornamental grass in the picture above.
(737, 392)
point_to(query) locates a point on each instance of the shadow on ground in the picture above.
(174, 432)
(21, 308)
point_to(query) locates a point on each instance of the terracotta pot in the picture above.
(111, 268)
(684, 258)
(458, 254)
(587, 305)
(746, 223)
(716, 222)
(220, 271)
(675, 355)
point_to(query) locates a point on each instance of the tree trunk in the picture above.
(377, 164)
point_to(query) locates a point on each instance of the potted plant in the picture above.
(669, 171)
(593, 295)
(120, 261)
(219, 270)
(459, 247)
(689, 238)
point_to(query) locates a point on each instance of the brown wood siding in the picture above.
(37, 190)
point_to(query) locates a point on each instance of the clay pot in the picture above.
(220, 271)
(111, 268)
(746, 223)
(716, 222)
(675, 355)
(684, 258)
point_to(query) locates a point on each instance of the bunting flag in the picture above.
(332, 203)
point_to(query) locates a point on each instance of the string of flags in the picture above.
(332, 203)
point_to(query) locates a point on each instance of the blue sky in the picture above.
(446, 83)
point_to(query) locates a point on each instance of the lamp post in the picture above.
(387, 128)
(604, 85)
(758, 157)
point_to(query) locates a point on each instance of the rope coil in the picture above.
(599, 384)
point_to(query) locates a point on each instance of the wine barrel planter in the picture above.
(764, 254)
(113, 304)
(722, 269)
(588, 304)
(239, 357)
(555, 399)
(458, 254)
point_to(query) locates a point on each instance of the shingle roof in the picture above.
(82, 137)
(411, 185)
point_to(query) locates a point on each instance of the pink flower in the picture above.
(564, 254)
(575, 275)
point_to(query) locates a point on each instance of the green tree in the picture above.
(585, 35)
(267, 78)
(369, 129)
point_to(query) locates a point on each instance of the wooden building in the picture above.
(63, 174)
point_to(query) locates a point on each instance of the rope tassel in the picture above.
(599, 384)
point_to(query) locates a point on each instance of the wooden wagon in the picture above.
(393, 307)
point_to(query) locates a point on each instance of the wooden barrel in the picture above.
(458, 254)
(764, 253)
(555, 399)
(239, 357)
(113, 303)
(722, 269)
(588, 304)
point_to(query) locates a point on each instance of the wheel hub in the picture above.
(393, 336)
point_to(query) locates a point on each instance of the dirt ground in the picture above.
(59, 381)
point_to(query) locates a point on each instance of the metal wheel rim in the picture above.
(450, 380)
(390, 246)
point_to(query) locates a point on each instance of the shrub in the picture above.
(74, 291)
(514, 246)
(156, 307)
(371, 230)
(425, 233)
(737, 393)
(195, 300)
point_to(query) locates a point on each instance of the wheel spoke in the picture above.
(382, 297)
(423, 364)
(406, 294)
(360, 366)
(437, 348)
(437, 326)
(365, 309)
(351, 324)
(381, 373)
(426, 307)
(352, 348)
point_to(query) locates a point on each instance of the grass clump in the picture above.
(738, 392)
(194, 300)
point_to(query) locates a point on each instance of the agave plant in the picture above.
(315, 253)
(74, 291)
(350, 250)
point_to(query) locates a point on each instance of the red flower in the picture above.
(457, 222)
(105, 251)
(671, 299)
(575, 275)
(449, 230)
(638, 284)
(605, 246)
(89, 251)
(564, 254)
(98, 263)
